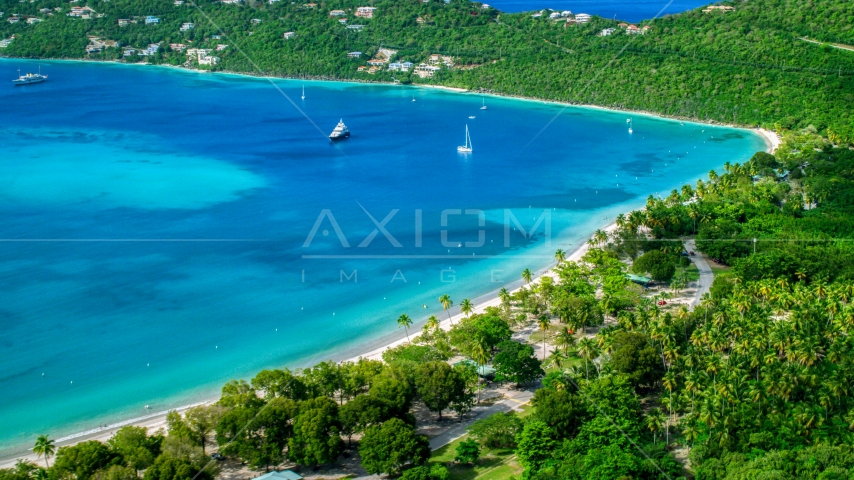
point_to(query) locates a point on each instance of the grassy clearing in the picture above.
(493, 464)
(692, 273)
(500, 464)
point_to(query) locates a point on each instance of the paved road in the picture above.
(706, 275)
(513, 401)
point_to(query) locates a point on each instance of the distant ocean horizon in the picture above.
(628, 10)
(166, 231)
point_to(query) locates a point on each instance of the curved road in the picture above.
(706, 275)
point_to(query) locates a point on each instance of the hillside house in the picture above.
(288, 35)
(124, 22)
(424, 71)
(365, 12)
(150, 20)
(207, 60)
(355, 27)
(337, 13)
(342, 21)
(5, 42)
(718, 8)
(187, 26)
(633, 30)
(436, 59)
(177, 47)
(607, 31)
(354, 55)
(582, 17)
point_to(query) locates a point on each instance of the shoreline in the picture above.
(772, 139)
(371, 348)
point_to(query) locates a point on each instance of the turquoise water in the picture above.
(156, 223)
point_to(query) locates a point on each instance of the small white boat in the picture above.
(467, 148)
(483, 107)
(630, 125)
(471, 116)
(413, 98)
(340, 132)
(303, 92)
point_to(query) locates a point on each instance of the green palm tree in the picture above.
(560, 256)
(557, 358)
(545, 323)
(480, 354)
(404, 321)
(466, 307)
(655, 421)
(432, 323)
(44, 447)
(589, 350)
(564, 339)
(504, 295)
(527, 275)
(447, 303)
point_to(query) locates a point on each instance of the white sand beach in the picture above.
(771, 139)
(370, 350)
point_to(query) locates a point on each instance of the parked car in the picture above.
(217, 456)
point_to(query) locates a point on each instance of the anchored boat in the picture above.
(341, 131)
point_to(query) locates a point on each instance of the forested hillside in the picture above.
(748, 66)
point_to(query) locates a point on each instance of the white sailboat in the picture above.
(630, 125)
(303, 92)
(483, 103)
(467, 148)
(413, 98)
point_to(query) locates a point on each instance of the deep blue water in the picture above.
(628, 10)
(156, 233)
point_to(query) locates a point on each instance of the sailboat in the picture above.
(303, 92)
(413, 98)
(467, 148)
(484, 104)
(630, 125)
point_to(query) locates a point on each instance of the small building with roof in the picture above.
(283, 475)
(639, 279)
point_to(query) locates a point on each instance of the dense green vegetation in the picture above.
(752, 383)
(757, 377)
(749, 66)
